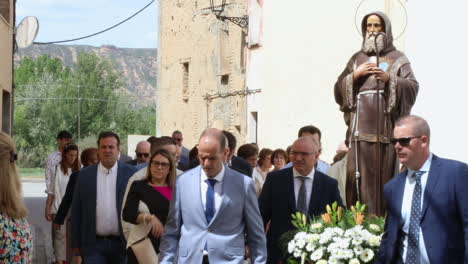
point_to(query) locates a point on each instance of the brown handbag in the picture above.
(144, 252)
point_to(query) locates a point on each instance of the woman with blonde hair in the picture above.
(147, 202)
(15, 234)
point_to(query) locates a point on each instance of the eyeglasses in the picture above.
(164, 165)
(404, 142)
(297, 153)
(142, 154)
(177, 139)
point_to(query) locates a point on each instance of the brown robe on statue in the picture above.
(363, 108)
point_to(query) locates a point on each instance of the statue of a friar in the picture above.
(372, 97)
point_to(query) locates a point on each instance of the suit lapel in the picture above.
(193, 190)
(432, 179)
(118, 183)
(92, 195)
(398, 191)
(316, 194)
(290, 190)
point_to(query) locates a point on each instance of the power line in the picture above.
(97, 33)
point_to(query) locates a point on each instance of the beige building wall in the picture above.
(201, 80)
(306, 45)
(6, 54)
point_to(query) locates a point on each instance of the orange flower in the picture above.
(326, 218)
(359, 218)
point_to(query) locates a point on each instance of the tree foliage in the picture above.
(86, 99)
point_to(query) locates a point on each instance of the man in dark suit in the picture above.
(97, 202)
(300, 188)
(427, 204)
(233, 161)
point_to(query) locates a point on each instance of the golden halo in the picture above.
(358, 23)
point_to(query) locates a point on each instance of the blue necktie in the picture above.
(210, 207)
(413, 254)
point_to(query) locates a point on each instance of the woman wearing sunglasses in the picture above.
(148, 202)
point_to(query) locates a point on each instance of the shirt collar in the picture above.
(424, 168)
(219, 177)
(310, 175)
(106, 171)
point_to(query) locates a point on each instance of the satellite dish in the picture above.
(26, 31)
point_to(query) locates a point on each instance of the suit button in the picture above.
(201, 250)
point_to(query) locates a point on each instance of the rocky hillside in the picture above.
(138, 66)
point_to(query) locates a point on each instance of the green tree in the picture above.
(84, 99)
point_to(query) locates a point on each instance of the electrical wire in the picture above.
(97, 33)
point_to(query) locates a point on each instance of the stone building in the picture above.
(201, 69)
(7, 26)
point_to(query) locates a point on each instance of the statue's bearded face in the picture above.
(374, 26)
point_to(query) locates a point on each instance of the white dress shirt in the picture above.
(309, 180)
(406, 211)
(218, 188)
(107, 218)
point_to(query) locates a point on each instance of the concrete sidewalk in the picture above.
(35, 198)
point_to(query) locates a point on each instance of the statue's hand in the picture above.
(363, 70)
(381, 75)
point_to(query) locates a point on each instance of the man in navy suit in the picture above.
(97, 203)
(427, 204)
(300, 188)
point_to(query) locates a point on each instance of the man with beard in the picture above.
(372, 97)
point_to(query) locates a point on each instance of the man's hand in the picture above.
(48, 215)
(363, 70)
(157, 228)
(247, 252)
(76, 260)
(380, 74)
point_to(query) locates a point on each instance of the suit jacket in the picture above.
(242, 166)
(84, 205)
(277, 203)
(236, 221)
(444, 219)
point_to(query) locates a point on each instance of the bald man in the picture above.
(142, 153)
(213, 212)
(300, 188)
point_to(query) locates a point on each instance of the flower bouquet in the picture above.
(339, 236)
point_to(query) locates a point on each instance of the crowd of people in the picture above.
(224, 208)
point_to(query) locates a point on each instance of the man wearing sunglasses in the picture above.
(427, 204)
(142, 152)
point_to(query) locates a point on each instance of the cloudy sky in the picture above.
(67, 19)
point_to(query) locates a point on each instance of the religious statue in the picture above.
(372, 97)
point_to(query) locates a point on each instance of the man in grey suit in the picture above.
(214, 211)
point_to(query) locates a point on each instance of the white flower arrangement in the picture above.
(339, 240)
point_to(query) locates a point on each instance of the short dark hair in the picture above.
(107, 134)
(231, 140)
(64, 134)
(151, 139)
(161, 141)
(263, 154)
(278, 152)
(311, 130)
(247, 150)
(177, 132)
(86, 155)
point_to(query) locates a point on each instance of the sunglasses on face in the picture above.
(163, 165)
(404, 141)
(142, 155)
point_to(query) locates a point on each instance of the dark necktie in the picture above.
(210, 207)
(413, 254)
(302, 196)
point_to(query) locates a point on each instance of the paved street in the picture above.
(35, 198)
